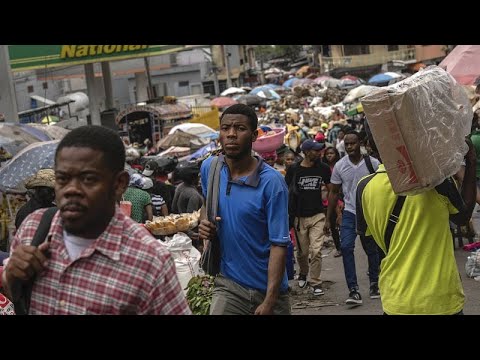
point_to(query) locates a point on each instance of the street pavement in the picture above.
(336, 292)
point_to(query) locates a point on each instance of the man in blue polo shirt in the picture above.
(253, 225)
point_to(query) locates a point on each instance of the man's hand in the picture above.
(207, 230)
(264, 309)
(25, 262)
(326, 227)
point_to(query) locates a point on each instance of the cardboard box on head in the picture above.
(419, 126)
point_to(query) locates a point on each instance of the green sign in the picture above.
(29, 57)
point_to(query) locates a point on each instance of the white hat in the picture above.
(147, 183)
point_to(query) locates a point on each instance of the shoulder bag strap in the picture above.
(393, 220)
(21, 292)
(368, 162)
(213, 189)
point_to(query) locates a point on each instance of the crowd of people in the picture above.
(95, 257)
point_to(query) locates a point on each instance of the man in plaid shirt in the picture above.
(96, 260)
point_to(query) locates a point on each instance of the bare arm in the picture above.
(333, 191)
(469, 185)
(276, 270)
(149, 211)
(164, 210)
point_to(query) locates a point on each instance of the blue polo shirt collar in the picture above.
(252, 180)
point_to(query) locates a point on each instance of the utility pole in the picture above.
(226, 55)
(316, 53)
(215, 72)
(149, 79)
(8, 100)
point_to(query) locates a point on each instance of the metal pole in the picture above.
(92, 95)
(149, 78)
(227, 66)
(107, 83)
(215, 74)
(8, 101)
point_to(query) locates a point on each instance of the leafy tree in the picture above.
(268, 52)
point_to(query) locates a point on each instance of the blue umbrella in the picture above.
(40, 155)
(15, 137)
(289, 82)
(200, 153)
(380, 78)
(35, 132)
(256, 90)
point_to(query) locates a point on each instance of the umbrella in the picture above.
(289, 82)
(250, 99)
(232, 91)
(299, 82)
(26, 163)
(394, 75)
(15, 137)
(268, 94)
(463, 63)
(380, 79)
(273, 76)
(349, 77)
(223, 102)
(50, 119)
(273, 70)
(52, 131)
(200, 130)
(268, 90)
(358, 92)
(332, 83)
(348, 84)
(319, 80)
(200, 153)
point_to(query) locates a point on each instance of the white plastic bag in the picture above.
(186, 257)
(472, 266)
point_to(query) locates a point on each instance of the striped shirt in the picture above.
(125, 271)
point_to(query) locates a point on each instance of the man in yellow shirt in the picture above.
(419, 274)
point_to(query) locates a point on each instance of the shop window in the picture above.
(351, 50)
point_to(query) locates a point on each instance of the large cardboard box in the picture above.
(419, 126)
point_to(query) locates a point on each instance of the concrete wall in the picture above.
(427, 52)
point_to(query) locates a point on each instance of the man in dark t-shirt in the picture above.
(304, 182)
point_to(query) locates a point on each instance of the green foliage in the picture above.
(268, 52)
(199, 294)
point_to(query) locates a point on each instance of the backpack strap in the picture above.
(22, 292)
(213, 189)
(369, 164)
(393, 220)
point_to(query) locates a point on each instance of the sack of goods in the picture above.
(185, 256)
(419, 126)
(173, 223)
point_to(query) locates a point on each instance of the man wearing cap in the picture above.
(305, 181)
(41, 189)
(160, 187)
(140, 199)
(346, 174)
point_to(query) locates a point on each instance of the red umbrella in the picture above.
(463, 63)
(223, 101)
(349, 77)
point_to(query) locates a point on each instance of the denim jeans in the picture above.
(348, 235)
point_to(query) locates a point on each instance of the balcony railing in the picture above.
(377, 58)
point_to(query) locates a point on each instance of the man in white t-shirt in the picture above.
(345, 176)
